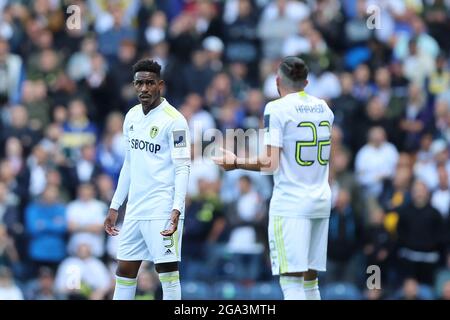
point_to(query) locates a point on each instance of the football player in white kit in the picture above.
(154, 176)
(297, 142)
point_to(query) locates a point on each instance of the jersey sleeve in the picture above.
(180, 147)
(123, 184)
(273, 127)
(179, 139)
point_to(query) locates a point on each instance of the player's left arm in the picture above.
(180, 147)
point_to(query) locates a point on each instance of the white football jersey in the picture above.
(300, 125)
(154, 141)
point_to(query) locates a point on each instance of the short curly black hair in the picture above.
(147, 65)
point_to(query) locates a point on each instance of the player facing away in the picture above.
(154, 175)
(297, 141)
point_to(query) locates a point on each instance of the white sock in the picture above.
(170, 282)
(125, 288)
(312, 289)
(292, 288)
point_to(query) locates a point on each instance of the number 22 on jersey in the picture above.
(314, 143)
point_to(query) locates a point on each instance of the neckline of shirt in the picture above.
(158, 107)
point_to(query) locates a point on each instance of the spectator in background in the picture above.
(51, 144)
(416, 119)
(8, 289)
(45, 224)
(428, 171)
(396, 191)
(199, 119)
(83, 276)
(36, 99)
(252, 109)
(105, 188)
(203, 227)
(378, 243)
(55, 179)
(424, 43)
(246, 219)
(410, 290)
(78, 130)
(373, 115)
(418, 65)
(344, 241)
(391, 100)
(241, 39)
(102, 89)
(16, 184)
(278, 21)
(442, 119)
(14, 154)
(440, 198)
(122, 76)
(215, 47)
(219, 91)
(240, 84)
(156, 29)
(43, 288)
(9, 213)
(346, 107)
(362, 89)
(38, 164)
(11, 75)
(420, 236)
(9, 256)
(197, 75)
(201, 169)
(79, 63)
(86, 168)
(19, 128)
(109, 162)
(356, 32)
(85, 216)
(375, 162)
(343, 177)
(109, 40)
(439, 80)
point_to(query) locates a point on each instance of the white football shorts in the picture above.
(141, 240)
(297, 244)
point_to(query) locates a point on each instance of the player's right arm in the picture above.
(269, 160)
(122, 189)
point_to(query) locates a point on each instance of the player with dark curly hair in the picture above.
(154, 176)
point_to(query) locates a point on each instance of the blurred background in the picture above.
(64, 93)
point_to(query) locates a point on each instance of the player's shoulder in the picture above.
(274, 105)
(172, 115)
(321, 102)
(133, 112)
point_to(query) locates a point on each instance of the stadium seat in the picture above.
(266, 291)
(341, 291)
(195, 290)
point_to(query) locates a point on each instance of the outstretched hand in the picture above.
(227, 161)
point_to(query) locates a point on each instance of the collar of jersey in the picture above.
(155, 109)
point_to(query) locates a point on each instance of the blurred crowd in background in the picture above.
(64, 93)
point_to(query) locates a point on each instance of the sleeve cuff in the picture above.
(114, 205)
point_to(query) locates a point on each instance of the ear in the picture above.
(306, 82)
